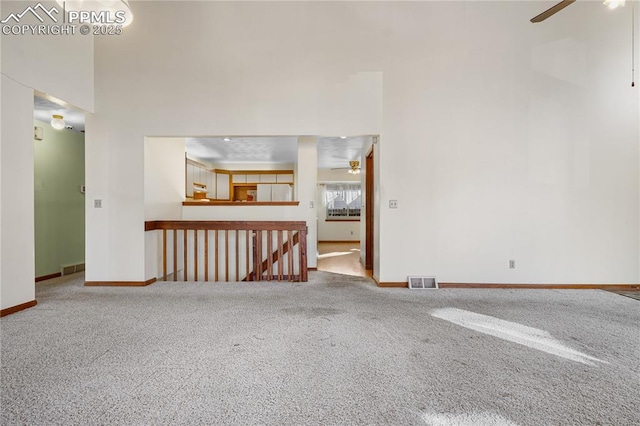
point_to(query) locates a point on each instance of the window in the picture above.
(343, 201)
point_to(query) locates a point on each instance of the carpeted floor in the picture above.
(336, 350)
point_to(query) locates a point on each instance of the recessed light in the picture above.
(226, 139)
(343, 137)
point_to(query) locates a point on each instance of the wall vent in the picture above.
(72, 269)
(422, 282)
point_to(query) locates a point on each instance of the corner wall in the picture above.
(16, 187)
(61, 66)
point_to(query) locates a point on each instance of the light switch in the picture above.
(97, 204)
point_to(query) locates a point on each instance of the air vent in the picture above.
(422, 282)
(72, 269)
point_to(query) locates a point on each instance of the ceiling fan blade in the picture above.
(552, 11)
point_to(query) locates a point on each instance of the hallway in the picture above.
(341, 258)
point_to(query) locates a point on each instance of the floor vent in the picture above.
(422, 282)
(72, 269)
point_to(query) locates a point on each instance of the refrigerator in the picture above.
(274, 192)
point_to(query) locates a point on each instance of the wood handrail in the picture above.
(221, 225)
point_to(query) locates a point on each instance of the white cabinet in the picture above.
(222, 186)
(189, 185)
(211, 184)
(284, 178)
(253, 178)
(239, 178)
(267, 178)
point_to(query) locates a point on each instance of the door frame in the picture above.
(369, 210)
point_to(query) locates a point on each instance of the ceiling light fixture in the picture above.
(343, 137)
(57, 122)
(355, 167)
(227, 139)
(613, 4)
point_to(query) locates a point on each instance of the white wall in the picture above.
(149, 84)
(60, 66)
(328, 175)
(501, 139)
(521, 147)
(164, 183)
(164, 178)
(344, 230)
(16, 186)
(306, 185)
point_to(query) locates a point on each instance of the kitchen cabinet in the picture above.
(284, 178)
(253, 178)
(268, 178)
(222, 186)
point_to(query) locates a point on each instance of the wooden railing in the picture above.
(232, 251)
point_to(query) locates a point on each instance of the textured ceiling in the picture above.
(333, 152)
(43, 109)
(271, 149)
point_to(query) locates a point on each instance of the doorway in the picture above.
(59, 200)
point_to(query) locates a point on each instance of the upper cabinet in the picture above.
(284, 178)
(270, 178)
(246, 184)
(200, 182)
(231, 185)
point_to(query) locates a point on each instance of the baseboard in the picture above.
(544, 286)
(18, 308)
(520, 286)
(312, 269)
(398, 284)
(119, 283)
(48, 277)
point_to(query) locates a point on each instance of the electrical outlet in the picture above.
(310, 204)
(97, 204)
(512, 264)
(351, 232)
(393, 204)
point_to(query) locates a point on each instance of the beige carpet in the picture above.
(334, 351)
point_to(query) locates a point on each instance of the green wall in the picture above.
(59, 205)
